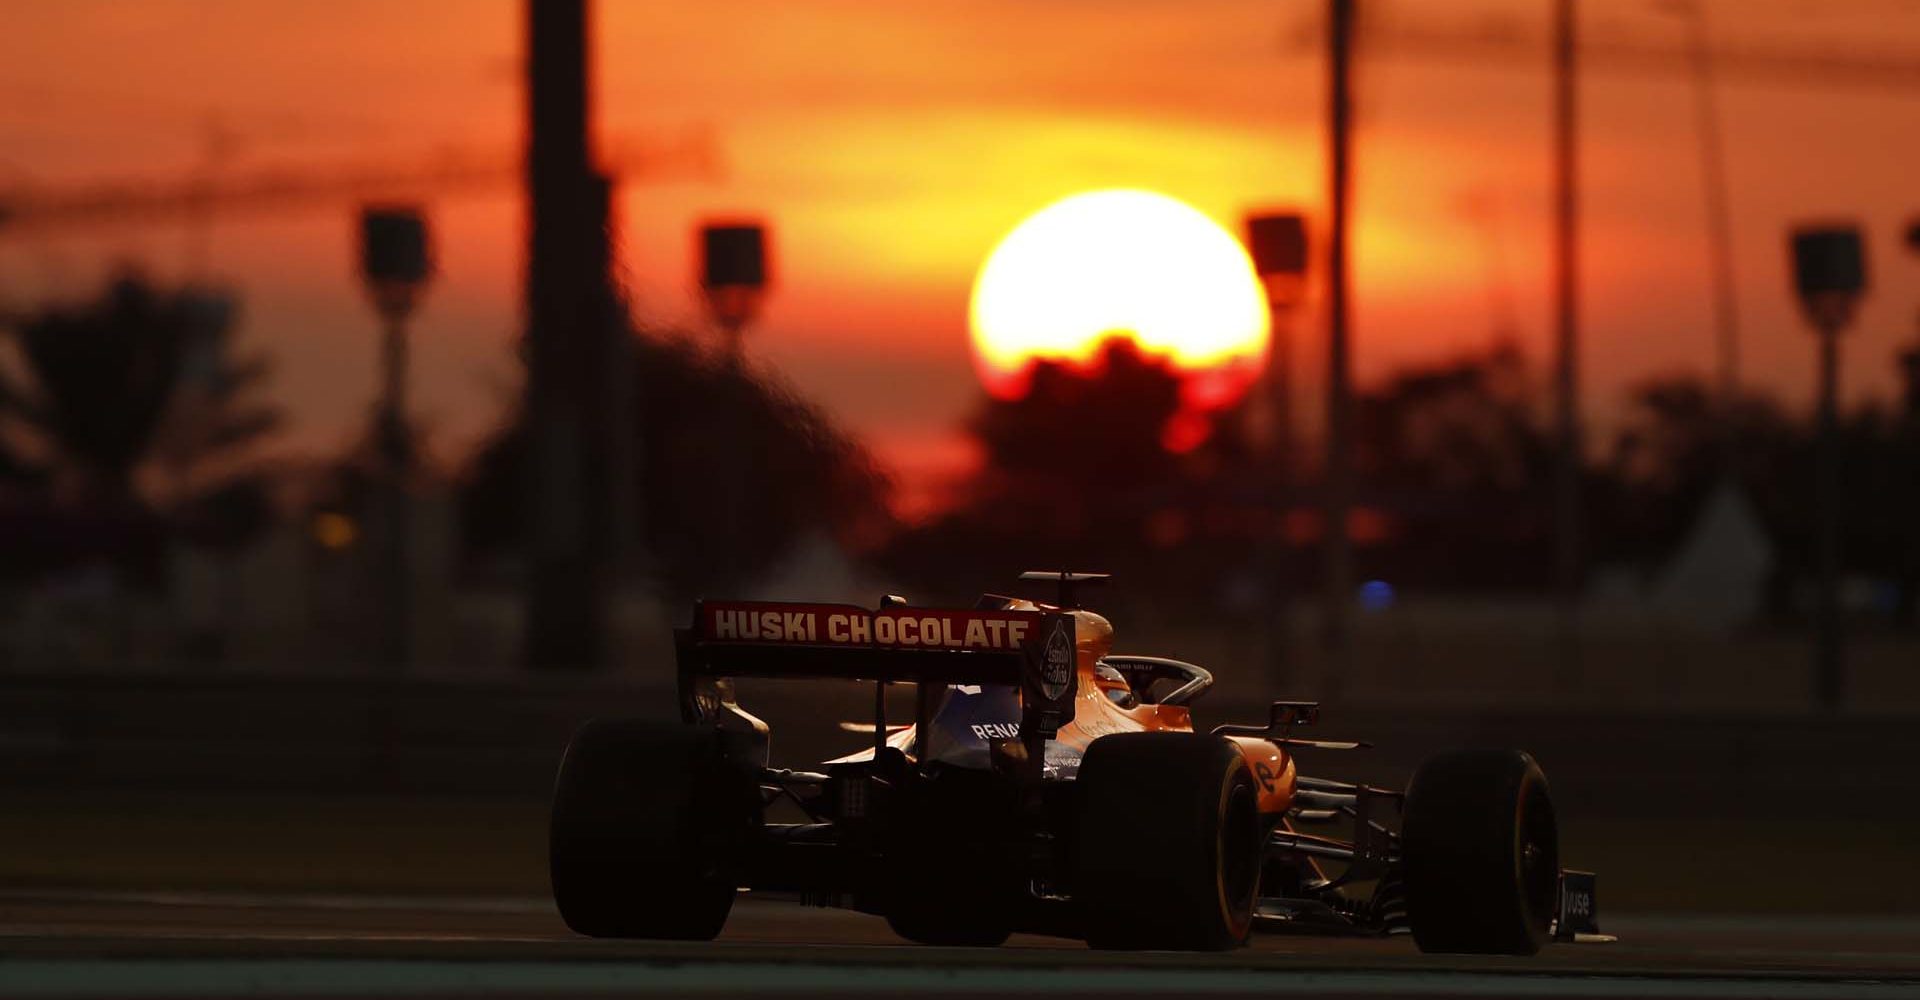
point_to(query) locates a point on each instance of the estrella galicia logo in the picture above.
(1056, 666)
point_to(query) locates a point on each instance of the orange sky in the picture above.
(892, 145)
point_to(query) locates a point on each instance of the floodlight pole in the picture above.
(1279, 480)
(1338, 473)
(394, 455)
(1278, 241)
(393, 395)
(1280, 386)
(1830, 656)
(733, 275)
(396, 263)
(1830, 273)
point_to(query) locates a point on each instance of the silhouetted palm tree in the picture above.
(138, 375)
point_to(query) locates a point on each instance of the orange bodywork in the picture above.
(1096, 714)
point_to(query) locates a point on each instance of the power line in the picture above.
(1512, 44)
(280, 187)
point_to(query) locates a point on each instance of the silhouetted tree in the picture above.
(1679, 442)
(1470, 425)
(1453, 462)
(1676, 443)
(734, 468)
(1081, 438)
(228, 515)
(140, 374)
(1077, 473)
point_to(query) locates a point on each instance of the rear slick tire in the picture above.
(1168, 850)
(648, 828)
(1481, 855)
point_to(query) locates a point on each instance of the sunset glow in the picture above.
(892, 146)
(1120, 263)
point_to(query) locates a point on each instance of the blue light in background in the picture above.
(1376, 595)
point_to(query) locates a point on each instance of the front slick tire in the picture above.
(1168, 850)
(1481, 853)
(648, 825)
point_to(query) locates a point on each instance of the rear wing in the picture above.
(1032, 650)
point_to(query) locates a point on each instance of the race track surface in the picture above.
(77, 944)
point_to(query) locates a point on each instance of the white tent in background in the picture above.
(1717, 577)
(816, 568)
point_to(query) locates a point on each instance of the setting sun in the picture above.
(1120, 263)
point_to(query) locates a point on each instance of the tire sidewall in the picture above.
(1468, 819)
(1237, 854)
(647, 831)
(1159, 826)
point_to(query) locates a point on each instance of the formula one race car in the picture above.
(1046, 785)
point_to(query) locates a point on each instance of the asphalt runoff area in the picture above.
(57, 943)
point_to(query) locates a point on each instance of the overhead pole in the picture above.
(568, 397)
(1493, 43)
(1338, 472)
(1566, 309)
